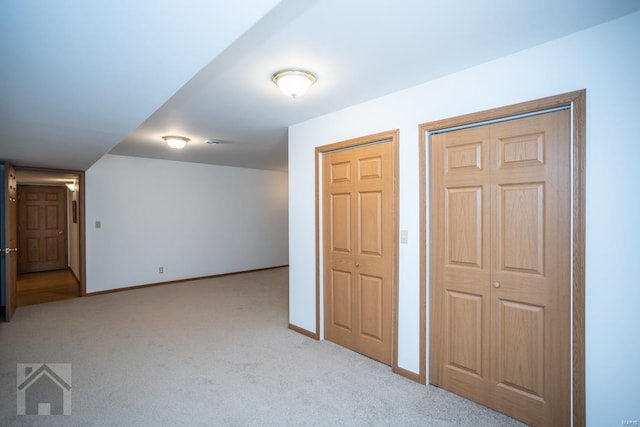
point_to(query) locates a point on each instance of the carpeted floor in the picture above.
(212, 352)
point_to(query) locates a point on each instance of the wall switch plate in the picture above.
(161, 270)
(404, 236)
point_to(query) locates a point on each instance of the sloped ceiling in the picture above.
(78, 76)
(85, 78)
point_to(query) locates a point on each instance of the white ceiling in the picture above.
(84, 78)
(44, 177)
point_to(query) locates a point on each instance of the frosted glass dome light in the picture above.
(294, 83)
(177, 142)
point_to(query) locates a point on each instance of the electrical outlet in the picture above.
(161, 270)
(98, 224)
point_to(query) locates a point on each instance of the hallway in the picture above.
(38, 288)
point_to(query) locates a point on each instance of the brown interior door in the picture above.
(358, 209)
(42, 226)
(9, 252)
(500, 292)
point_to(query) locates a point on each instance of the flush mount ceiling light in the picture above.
(294, 83)
(176, 142)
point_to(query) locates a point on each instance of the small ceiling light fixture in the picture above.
(294, 83)
(177, 142)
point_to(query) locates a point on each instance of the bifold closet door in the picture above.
(500, 289)
(358, 249)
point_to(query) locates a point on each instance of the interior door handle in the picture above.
(8, 250)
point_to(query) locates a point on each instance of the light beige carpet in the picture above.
(207, 353)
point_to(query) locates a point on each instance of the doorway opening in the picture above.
(50, 235)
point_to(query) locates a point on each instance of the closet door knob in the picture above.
(496, 284)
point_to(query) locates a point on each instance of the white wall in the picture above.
(605, 60)
(192, 219)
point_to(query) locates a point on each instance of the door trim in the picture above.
(81, 218)
(577, 102)
(392, 137)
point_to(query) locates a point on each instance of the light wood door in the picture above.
(358, 209)
(42, 227)
(501, 266)
(9, 254)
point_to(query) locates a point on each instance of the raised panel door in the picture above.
(461, 266)
(358, 248)
(501, 283)
(42, 227)
(531, 247)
